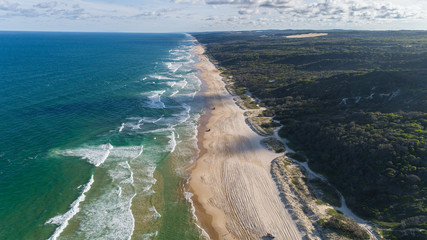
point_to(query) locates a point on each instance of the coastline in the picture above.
(234, 194)
(287, 173)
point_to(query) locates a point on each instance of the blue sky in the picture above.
(210, 15)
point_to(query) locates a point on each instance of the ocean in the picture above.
(97, 133)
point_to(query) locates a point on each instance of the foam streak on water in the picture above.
(95, 155)
(62, 220)
(189, 196)
(155, 100)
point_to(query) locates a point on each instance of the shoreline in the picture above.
(234, 194)
(204, 221)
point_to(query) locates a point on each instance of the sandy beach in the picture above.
(235, 196)
(308, 35)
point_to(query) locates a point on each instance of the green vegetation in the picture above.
(249, 103)
(346, 226)
(320, 202)
(343, 226)
(333, 212)
(274, 144)
(324, 192)
(354, 102)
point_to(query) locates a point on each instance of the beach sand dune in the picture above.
(307, 35)
(235, 195)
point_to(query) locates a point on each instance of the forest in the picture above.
(354, 102)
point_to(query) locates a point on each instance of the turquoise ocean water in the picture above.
(97, 133)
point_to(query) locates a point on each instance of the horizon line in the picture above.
(214, 31)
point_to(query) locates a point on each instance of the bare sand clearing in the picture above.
(235, 195)
(307, 35)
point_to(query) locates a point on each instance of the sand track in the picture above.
(234, 193)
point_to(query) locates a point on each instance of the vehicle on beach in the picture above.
(270, 235)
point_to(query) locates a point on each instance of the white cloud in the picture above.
(215, 14)
(329, 9)
(46, 5)
(75, 10)
(245, 11)
(7, 6)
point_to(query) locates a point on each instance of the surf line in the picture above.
(62, 220)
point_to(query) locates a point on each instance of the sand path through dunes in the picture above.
(234, 193)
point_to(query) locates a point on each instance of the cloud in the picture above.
(252, 3)
(276, 4)
(46, 5)
(76, 10)
(6, 6)
(220, 14)
(14, 9)
(194, 2)
(247, 11)
(75, 13)
(211, 18)
(342, 10)
(246, 3)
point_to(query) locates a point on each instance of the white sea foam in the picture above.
(95, 155)
(149, 236)
(141, 150)
(188, 196)
(182, 84)
(133, 218)
(178, 58)
(109, 216)
(172, 142)
(155, 101)
(121, 127)
(160, 77)
(174, 120)
(147, 189)
(130, 152)
(117, 174)
(128, 180)
(133, 118)
(160, 130)
(132, 125)
(174, 93)
(174, 66)
(149, 172)
(155, 213)
(149, 179)
(124, 165)
(171, 83)
(62, 220)
(151, 119)
(184, 115)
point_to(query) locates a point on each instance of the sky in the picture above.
(210, 15)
